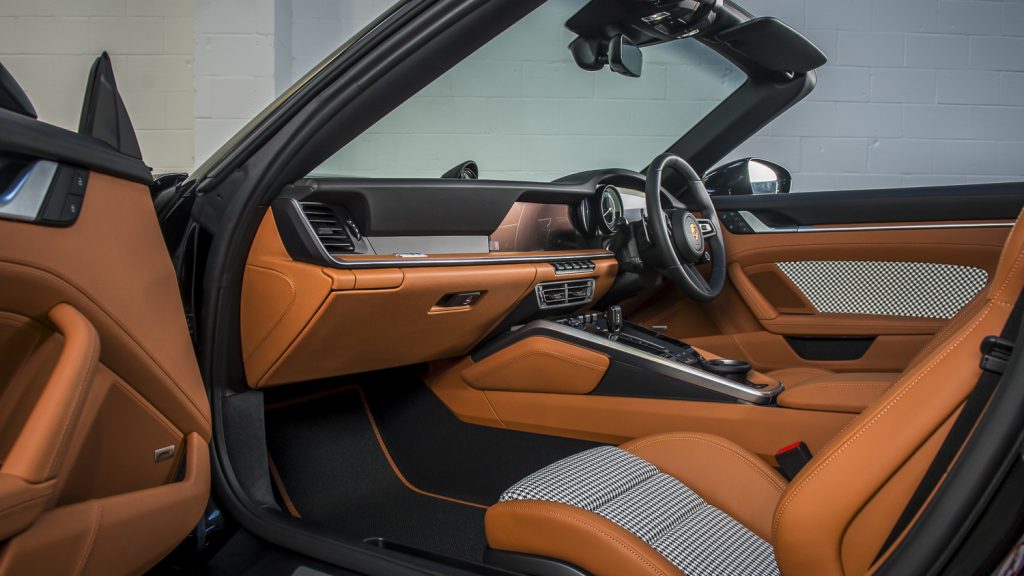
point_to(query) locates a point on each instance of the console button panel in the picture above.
(574, 267)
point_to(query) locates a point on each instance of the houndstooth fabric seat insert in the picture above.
(693, 535)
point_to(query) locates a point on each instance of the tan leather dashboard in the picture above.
(302, 321)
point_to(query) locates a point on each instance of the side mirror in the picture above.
(465, 171)
(748, 176)
(625, 57)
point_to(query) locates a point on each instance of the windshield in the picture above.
(522, 110)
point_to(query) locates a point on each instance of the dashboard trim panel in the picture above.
(468, 260)
(760, 227)
(302, 244)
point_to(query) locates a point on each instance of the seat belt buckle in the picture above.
(995, 354)
(793, 458)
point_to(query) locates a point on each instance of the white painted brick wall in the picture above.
(235, 52)
(49, 46)
(916, 92)
(522, 109)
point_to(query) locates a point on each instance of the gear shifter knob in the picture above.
(613, 317)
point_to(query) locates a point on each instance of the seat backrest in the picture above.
(836, 514)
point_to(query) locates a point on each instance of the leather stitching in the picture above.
(284, 313)
(526, 507)
(76, 408)
(1010, 276)
(13, 508)
(706, 440)
(905, 389)
(87, 551)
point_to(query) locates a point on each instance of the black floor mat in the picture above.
(335, 472)
(440, 453)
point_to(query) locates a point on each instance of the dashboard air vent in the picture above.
(570, 293)
(329, 229)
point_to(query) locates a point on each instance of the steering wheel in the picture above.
(680, 239)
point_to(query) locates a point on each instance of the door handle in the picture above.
(28, 475)
(23, 199)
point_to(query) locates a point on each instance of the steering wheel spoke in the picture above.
(708, 228)
(695, 277)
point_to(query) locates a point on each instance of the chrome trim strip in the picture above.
(24, 199)
(760, 227)
(670, 368)
(427, 262)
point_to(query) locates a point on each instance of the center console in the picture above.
(645, 363)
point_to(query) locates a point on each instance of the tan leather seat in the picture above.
(621, 511)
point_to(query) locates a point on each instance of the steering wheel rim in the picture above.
(678, 255)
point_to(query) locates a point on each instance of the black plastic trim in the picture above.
(104, 115)
(394, 207)
(29, 137)
(830, 349)
(528, 564)
(629, 381)
(302, 244)
(925, 204)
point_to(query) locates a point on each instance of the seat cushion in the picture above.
(610, 511)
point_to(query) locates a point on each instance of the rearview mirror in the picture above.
(625, 57)
(748, 176)
(619, 53)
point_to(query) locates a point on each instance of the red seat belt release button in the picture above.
(793, 458)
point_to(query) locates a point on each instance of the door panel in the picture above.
(846, 281)
(104, 420)
(103, 286)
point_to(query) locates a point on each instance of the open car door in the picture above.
(104, 420)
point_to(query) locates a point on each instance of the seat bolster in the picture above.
(1008, 281)
(727, 476)
(793, 376)
(574, 535)
(847, 392)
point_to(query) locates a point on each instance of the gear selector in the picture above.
(613, 318)
(735, 370)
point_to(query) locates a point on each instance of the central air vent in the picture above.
(328, 228)
(559, 294)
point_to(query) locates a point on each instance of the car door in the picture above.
(855, 281)
(104, 420)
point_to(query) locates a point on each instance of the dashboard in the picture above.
(364, 223)
(338, 264)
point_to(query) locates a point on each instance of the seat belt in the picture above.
(996, 351)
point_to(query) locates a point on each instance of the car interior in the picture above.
(672, 368)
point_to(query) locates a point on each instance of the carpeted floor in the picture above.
(342, 467)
